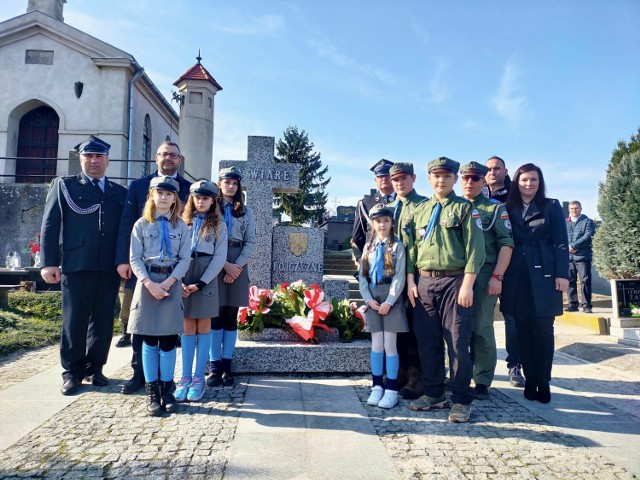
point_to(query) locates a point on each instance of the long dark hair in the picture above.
(238, 200)
(515, 197)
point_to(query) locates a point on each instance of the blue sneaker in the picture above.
(196, 389)
(182, 388)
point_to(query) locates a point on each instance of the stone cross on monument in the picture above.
(262, 176)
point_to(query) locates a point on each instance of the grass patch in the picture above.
(33, 320)
(19, 332)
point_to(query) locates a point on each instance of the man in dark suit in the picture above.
(81, 216)
(384, 194)
(168, 159)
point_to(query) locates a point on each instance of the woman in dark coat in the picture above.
(536, 277)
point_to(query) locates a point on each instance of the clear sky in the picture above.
(552, 82)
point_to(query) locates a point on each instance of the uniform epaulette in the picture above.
(494, 200)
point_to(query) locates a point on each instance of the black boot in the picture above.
(227, 378)
(215, 379)
(154, 408)
(168, 400)
(134, 384)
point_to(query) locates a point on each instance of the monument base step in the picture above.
(627, 336)
(589, 321)
(298, 357)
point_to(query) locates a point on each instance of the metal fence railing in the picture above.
(31, 170)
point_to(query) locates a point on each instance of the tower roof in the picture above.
(198, 72)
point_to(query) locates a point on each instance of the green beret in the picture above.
(444, 163)
(474, 167)
(404, 168)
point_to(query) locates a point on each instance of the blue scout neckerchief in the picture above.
(377, 272)
(196, 230)
(228, 218)
(165, 240)
(431, 226)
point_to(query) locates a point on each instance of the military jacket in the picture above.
(457, 241)
(361, 232)
(494, 222)
(403, 209)
(145, 248)
(80, 224)
(399, 275)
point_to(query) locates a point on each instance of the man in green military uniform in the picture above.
(494, 221)
(403, 178)
(446, 254)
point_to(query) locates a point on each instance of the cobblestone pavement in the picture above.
(105, 434)
(502, 440)
(19, 366)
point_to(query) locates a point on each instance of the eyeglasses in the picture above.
(473, 178)
(171, 155)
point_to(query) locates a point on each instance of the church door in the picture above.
(38, 142)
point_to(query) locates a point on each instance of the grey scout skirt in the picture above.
(149, 316)
(394, 321)
(205, 303)
(234, 294)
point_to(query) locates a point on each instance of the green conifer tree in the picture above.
(310, 201)
(617, 241)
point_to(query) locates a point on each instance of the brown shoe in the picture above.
(413, 388)
(403, 376)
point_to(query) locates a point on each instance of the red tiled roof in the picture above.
(198, 72)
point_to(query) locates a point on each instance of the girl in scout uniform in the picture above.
(200, 285)
(160, 255)
(233, 281)
(382, 278)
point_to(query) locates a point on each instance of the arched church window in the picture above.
(37, 145)
(146, 144)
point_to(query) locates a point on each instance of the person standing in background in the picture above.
(580, 230)
(498, 186)
(362, 224)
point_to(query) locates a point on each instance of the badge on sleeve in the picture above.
(507, 224)
(504, 215)
(476, 216)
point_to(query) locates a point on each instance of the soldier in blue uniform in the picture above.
(79, 231)
(385, 194)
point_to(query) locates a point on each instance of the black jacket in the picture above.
(541, 252)
(361, 222)
(80, 241)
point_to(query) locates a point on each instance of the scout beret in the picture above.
(93, 145)
(380, 210)
(164, 183)
(404, 168)
(381, 167)
(230, 172)
(474, 167)
(203, 188)
(444, 163)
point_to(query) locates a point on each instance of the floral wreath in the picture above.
(303, 309)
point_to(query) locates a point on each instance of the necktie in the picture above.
(196, 230)
(435, 215)
(377, 272)
(228, 218)
(165, 240)
(96, 183)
